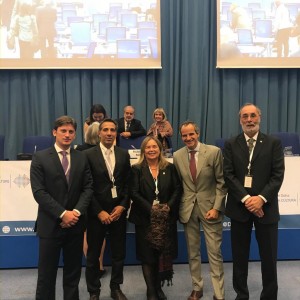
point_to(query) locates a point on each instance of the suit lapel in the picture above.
(243, 145)
(100, 159)
(186, 161)
(258, 145)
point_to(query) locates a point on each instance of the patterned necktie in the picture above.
(193, 168)
(127, 126)
(65, 163)
(250, 145)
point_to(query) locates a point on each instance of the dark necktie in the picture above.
(127, 126)
(250, 145)
(65, 163)
(193, 168)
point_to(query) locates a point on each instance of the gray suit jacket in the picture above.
(209, 190)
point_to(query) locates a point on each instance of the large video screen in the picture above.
(258, 34)
(80, 34)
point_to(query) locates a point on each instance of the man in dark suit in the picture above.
(61, 183)
(128, 126)
(253, 172)
(110, 167)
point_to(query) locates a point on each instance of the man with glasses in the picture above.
(253, 172)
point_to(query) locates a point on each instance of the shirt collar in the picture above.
(254, 137)
(58, 149)
(103, 148)
(197, 149)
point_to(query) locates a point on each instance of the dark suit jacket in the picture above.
(267, 170)
(142, 192)
(102, 199)
(136, 128)
(53, 193)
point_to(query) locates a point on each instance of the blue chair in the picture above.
(220, 143)
(131, 143)
(2, 147)
(290, 142)
(31, 144)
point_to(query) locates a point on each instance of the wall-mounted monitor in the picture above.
(73, 27)
(257, 34)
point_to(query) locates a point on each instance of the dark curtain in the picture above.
(188, 87)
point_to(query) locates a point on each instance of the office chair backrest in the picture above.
(290, 142)
(2, 147)
(31, 144)
(131, 143)
(220, 143)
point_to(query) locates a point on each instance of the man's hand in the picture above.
(69, 219)
(254, 204)
(125, 134)
(105, 217)
(117, 212)
(212, 214)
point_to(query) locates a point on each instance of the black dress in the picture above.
(142, 194)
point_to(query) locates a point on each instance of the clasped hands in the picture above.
(107, 218)
(254, 204)
(69, 219)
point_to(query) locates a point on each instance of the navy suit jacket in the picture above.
(136, 128)
(53, 193)
(102, 184)
(267, 170)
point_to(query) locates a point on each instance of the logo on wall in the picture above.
(6, 229)
(22, 181)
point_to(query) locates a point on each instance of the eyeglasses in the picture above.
(251, 116)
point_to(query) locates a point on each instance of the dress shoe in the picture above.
(94, 296)
(117, 295)
(214, 298)
(160, 294)
(195, 295)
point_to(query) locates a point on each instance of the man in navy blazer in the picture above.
(128, 126)
(61, 183)
(253, 172)
(110, 167)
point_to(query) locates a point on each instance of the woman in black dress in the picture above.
(155, 192)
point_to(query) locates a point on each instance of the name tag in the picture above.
(114, 192)
(248, 181)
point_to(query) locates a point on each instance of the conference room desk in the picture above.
(18, 210)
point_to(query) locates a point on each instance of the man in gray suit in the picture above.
(200, 167)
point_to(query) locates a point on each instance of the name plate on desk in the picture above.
(134, 153)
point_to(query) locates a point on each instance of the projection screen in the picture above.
(258, 34)
(80, 34)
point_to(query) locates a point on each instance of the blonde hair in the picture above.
(162, 162)
(92, 134)
(161, 111)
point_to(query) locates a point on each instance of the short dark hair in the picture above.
(63, 120)
(186, 123)
(108, 120)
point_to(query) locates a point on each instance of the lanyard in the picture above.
(250, 159)
(155, 182)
